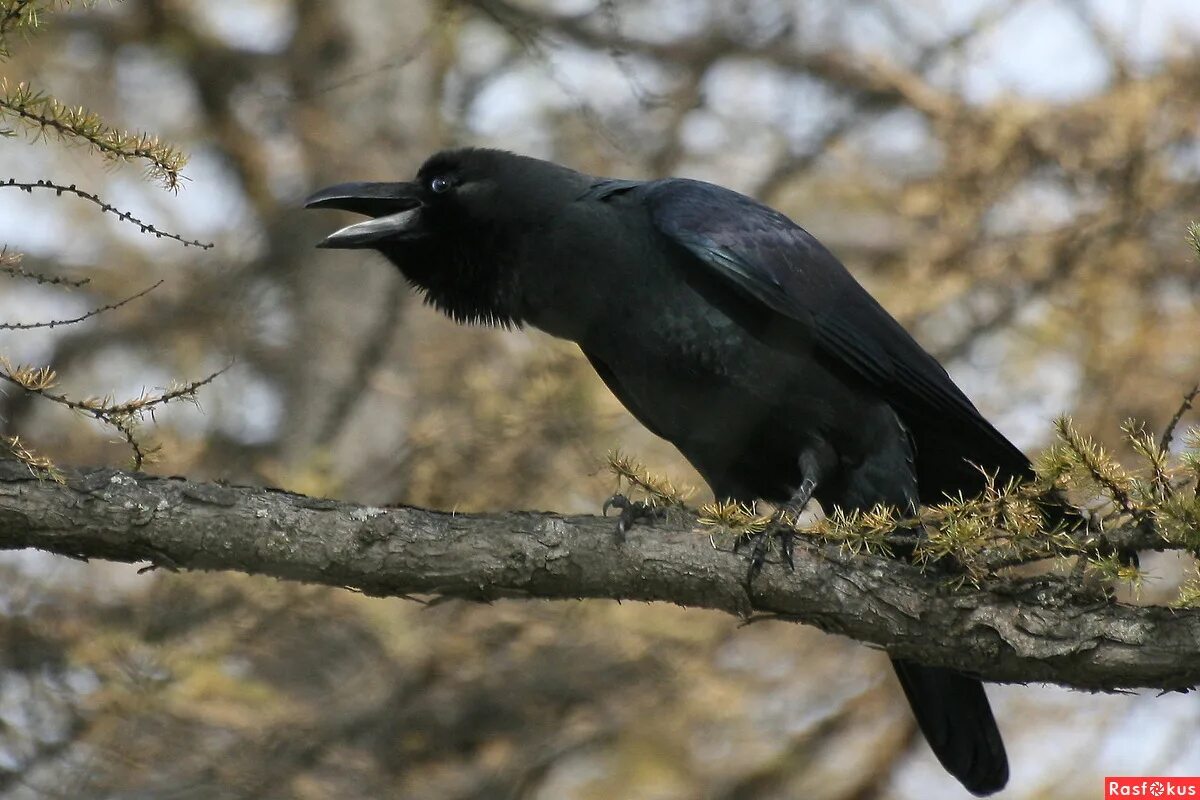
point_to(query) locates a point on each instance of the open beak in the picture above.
(395, 209)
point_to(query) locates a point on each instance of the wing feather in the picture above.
(773, 261)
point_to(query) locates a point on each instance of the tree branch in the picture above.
(1016, 632)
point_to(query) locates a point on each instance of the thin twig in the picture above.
(76, 124)
(54, 323)
(107, 208)
(1184, 407)
(14, 271)
(121, 416)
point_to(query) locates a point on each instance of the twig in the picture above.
(54, 323)
(107, 208)
(121, 416)
(11, 269)
(1184, 407)
(76, 124)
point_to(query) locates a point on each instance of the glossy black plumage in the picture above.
(781, 265)
(723, 327)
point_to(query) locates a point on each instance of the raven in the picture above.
(724, 328)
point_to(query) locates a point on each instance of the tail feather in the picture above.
(945, 470)
(952, 712)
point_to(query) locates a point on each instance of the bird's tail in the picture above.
(1059, 512)
(953, 713)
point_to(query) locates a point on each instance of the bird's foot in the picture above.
(781, 530)
(782, 527)
(632, 512)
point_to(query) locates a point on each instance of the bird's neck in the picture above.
(473, 280)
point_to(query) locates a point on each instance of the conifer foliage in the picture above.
(25, 110)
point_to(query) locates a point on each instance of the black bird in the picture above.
(726, 329)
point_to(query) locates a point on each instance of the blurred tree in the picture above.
(1010, 178)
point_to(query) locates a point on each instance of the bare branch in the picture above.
(54, 323)
(1021, 631)
(107, 208)
(1168, 434)
(10, 265)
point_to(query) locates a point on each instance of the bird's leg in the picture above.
(632, 512)
(786, 516)
(782, 527)
(759, 543)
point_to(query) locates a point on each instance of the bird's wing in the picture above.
(775, 262)
(618, 389)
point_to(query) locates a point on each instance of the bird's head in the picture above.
(456, 230)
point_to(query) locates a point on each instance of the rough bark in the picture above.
(1017, 632)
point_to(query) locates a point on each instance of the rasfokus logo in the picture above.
(1124, 786)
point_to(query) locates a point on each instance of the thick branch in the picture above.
(1017, 632)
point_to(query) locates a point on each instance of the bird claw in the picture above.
(781, 528)
(760, 544)
(632, 511)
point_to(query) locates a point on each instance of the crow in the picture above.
(726, 329)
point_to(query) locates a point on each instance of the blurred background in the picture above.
(1012, 179)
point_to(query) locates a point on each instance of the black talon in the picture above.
(616, 501)
(782, 525)
(758, 556)
(787, 543)
(631, 512)
(760, 546)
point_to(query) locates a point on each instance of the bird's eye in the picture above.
(439, 184)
